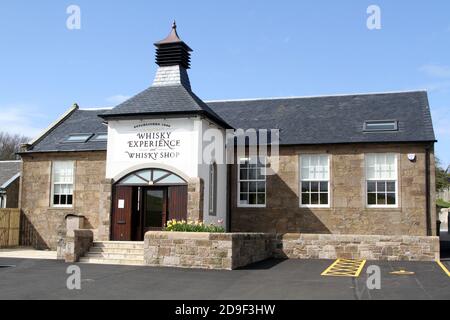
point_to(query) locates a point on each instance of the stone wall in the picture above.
(234, 250)
(206, 250)
(390, 248)
(92, 196)
(348, 213)
(77, 245)
(195, 199)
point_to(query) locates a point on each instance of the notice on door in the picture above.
(121, 204)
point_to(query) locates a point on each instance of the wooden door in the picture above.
(121, 214)
(177, 203)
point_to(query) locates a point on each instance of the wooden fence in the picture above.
(9, 227)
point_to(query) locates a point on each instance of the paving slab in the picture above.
(27, 253)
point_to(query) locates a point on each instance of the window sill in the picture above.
(251, 206)
(315, 207)
(383, 207)
(62, 207)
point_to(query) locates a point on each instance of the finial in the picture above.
(75, 106)
(174, 25)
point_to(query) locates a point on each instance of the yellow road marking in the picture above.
(403, 273)
(443, 267)
(345, 268)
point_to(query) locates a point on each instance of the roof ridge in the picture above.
(96, 109)
(317, 96)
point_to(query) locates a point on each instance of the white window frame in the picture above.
(213, 190)
(239, 204)
(3, 201)
(397, 199)
(320, 206)
(52, 193)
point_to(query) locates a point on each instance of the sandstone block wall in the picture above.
(92, 196)
(387, 248)
(348, 212)
(77, 245)
(232, 251)
(205, 250)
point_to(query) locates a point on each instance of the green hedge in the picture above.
(443, 204)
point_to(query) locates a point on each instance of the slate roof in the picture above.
(175, 99)
(8, 169)
(302, 121)
(80, 121)
(334, 119)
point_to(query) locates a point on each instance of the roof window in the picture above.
(100, 137)
(381, 126)
(78, 138)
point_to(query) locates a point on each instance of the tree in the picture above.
(10, 145)
(442, 177)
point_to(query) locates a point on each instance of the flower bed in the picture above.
(191, 226)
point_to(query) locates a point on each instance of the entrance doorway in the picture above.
(154, 207)
(144, 201)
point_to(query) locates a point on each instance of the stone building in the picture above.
(9, 184)
(350, 164)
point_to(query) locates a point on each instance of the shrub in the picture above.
(443, 204)
(191, 226)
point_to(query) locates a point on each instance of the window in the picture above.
(377, 126)
(381, 176)
(62, 183)
(252, 182)
(213, 189)
(315, 180)
(100, 137)
(152, 177)
(78, 138)
(2, 201)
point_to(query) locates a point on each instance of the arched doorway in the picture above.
(144, 201)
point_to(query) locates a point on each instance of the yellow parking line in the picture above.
(443, 267)
(361, 267)
(330, 268)
(345, 268)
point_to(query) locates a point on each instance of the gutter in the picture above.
(427, 191)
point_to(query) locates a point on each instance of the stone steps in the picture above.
(123, 262)
(115, 253)
(118, 245)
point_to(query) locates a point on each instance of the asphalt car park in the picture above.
(272, 279)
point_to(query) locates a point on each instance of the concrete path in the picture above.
(27, 253)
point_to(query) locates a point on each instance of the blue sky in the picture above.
(242, 49)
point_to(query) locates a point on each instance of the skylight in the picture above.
(101, 137)
(78, 138)
(381, 126)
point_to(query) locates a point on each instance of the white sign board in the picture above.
(171, 142)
